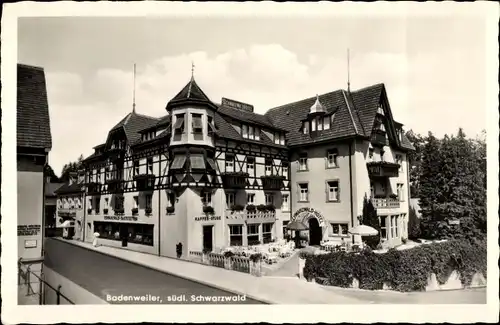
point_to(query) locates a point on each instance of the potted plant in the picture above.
(105, 210)
(251, 208)
(393, 196)
(148, 210)
(262, 207)
(237, 207)
(208, 209)
(270, 208)
(119, 211)
(89, 211)
(135, 211)
(170, 209)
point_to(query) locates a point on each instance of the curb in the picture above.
(265, 301)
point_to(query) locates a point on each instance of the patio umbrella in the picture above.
(67, 224)
(363, 230)
(297, 226)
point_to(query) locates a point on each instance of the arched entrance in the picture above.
(315, 233)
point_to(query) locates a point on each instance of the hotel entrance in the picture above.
(315, 233)
(208, 238)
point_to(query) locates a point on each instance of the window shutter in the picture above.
(338, 190)
(327, 191)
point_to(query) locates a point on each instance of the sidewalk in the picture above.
(274, 290)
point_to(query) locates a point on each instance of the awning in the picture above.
(296, 225)
(211, 163)
(363, 230)
(197, 161)
(179, 123)
(67, 224)
(197, 123)
(179, 161)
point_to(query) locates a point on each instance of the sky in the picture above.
(433, 67)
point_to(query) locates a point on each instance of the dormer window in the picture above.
(250, 132)
(313, 125)
(179, 124)
(244, 130)
(257, 134)
(136, 167)
(326, 123)
(305, 127)
(196, 123)
(320, 123)
(279, 138)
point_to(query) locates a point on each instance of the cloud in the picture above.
(84, 108)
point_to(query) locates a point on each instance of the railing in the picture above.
(385, 203)
(234, 263)
(27, 277)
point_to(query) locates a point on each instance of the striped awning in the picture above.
(178, 162)
(197, 161)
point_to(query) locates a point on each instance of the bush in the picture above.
(255, 257)
(228, 254)
(262, 207)
(251, 207)
(404, 270)
(413, 224)
(237, 207)
(370, 218)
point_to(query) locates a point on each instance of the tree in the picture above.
(49, 172)
(370, 218)
(413, 224)
(70, 168)
(415, 161)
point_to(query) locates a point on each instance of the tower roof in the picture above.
(317, 107)
(190, 94)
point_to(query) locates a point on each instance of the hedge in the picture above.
(401, 270)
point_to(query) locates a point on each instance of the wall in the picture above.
(316, 176)
(30, 208)
(70, 289)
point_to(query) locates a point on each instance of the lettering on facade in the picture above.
(303, 214)
(237, 105)
(28, 230)
(30, 244)
(207, 218)
(120, 218)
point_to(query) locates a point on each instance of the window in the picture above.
(136, 201)
(320, 123)
(382, 152)
(401, 192)
(206, 198)
(305, 127)
(235, 235)
(106, 202)
(268, 167)
(383, 227)
(303, 192)
(136, 167)
(303, 162)
(257, 134)
(332, 158)
(171, 199)
(99, 176)
(313, 125)
(229, 200)
(253, 234)
(267, 232)
(97, 204)
(339, 229)
(250, 132)
(196, 123)
(326, 123)
(211, 127)
(149, 164)
(229, 163)
(149, 199)
(396, 226)
(269, 199)
(333, 191)
(179, 124)
(392, 225)
(119, 203)
(138, 233)
(284, 168)
(284, 203)
(399, 160)
(250, 198)
(89, 205)
(250, 165)
(244, 131)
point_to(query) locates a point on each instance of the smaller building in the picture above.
(70, 207)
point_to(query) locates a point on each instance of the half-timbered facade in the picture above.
(209, 175)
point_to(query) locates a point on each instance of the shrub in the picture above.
(255, 257)
(270, 208)
(262, 207)
(251, 207)
(237, 207)
(413, 224)
(228, 254)
(402, 270)
(370, 218)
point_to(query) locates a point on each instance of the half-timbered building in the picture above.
(209, 175)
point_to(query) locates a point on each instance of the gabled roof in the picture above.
(290, 117)
(70, 189)
(248, 117)
(133, 123)
(366, 101)
(33, 121)
(191, 93)
(51, 189)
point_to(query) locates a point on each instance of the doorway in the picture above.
(208, 238)
(315, 233)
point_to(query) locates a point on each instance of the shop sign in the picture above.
(304, 213)
(28, 230)
(207, 218)
(238, 105)
(120, 218)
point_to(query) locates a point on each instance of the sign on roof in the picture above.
(237, 105)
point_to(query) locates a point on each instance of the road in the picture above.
(104, 275)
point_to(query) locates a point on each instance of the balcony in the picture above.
(379, 138)
(115, 185)
(269, 214)
(234, 180)
(385, 203)
(93, 188)
(383, 169)
(272, 182)
(145, 182)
